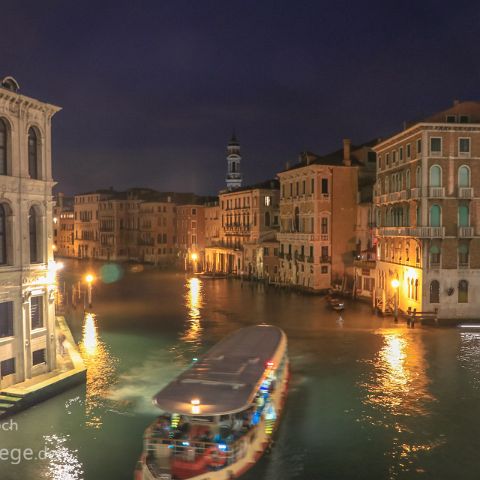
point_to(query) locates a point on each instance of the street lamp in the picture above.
(395, 285)
(194, 258)
(89, 278)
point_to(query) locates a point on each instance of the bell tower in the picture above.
(234, 174)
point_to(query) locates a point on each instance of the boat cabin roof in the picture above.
(225, 379)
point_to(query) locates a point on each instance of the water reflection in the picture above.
(469, 356)
(101, 371)
(397, 388)
(62, 462)
(194, 302)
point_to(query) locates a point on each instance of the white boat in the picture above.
(219, 414)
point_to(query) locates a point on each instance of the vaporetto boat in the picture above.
(219, 415)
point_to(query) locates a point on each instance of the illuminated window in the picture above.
(268, 199)
(434, 291)
(462, 291)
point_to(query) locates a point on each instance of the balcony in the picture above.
(370, 264)
(465, 232)
(420, 232)
(310, 259)
(298, 237)
(465, 192)
(325, 259)
(299, 257)
(415, 192)
(437, 192)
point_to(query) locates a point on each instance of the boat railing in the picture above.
(188, 450)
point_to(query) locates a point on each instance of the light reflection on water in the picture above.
(191, 337)
(397, 388)
(101, 371)
(469, 356)
(62, 462)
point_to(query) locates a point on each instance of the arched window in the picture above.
(434, 291)
(435, 176)
(462, 291)
(3, 235)
(418, 180)
(3, 147)
(435, 216)
(434, 256)
(33, 235)
(33, 162)
(463, 176)
(233, 167)
(463, 216)
(267, 219)
(463, 255)
(297, 219)
(416, 289)
(407, 179)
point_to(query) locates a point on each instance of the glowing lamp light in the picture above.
(270, 364)
(195, 406)
(395, 283)
(222, 447)
(194, 257)
(89, 278)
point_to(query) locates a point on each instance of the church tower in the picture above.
(234, 174)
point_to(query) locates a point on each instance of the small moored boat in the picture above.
(219, 415)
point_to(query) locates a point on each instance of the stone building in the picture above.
(63, 226)
(249, 215)
(213, 223)
(428, 215)
(191, 234)
(158, 232)
(318, 213)
(27, 273)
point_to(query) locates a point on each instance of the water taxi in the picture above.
(219, 415)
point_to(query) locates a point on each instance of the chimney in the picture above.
(287, 165)
(346, 152)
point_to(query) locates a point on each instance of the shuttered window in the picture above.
(6, 319)
(36, 312)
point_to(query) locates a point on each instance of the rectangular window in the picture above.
(265, 251)
(36, 312)
(419, 146)
(194, 239)
(394, 156)
(311, 251)
(194, 224)
(409, 151)
(7, 367)
(400, 154)
(324, 252)
(38, 357)
(464, 119)
(324, 226)
(194, 211)
(312, 186)
(304, 187)
(325, 186)
(464, 146)
(451, 118)
(6, 319)
(324, 269)
(435, 146)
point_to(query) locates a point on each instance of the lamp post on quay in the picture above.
(395, 285)
(194, 258)
(89, 278)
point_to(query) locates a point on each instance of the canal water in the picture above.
(369, 399)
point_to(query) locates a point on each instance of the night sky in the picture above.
(152, 90)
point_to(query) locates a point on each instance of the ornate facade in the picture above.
(27, 273)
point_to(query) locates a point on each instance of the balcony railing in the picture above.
(415, 192)
(465, 232)
(325, 259)
(437, 192)
(420, 232)
(465, 192)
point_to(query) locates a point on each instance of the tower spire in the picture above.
(234, 174)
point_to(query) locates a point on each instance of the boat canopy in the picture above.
(226, 379)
